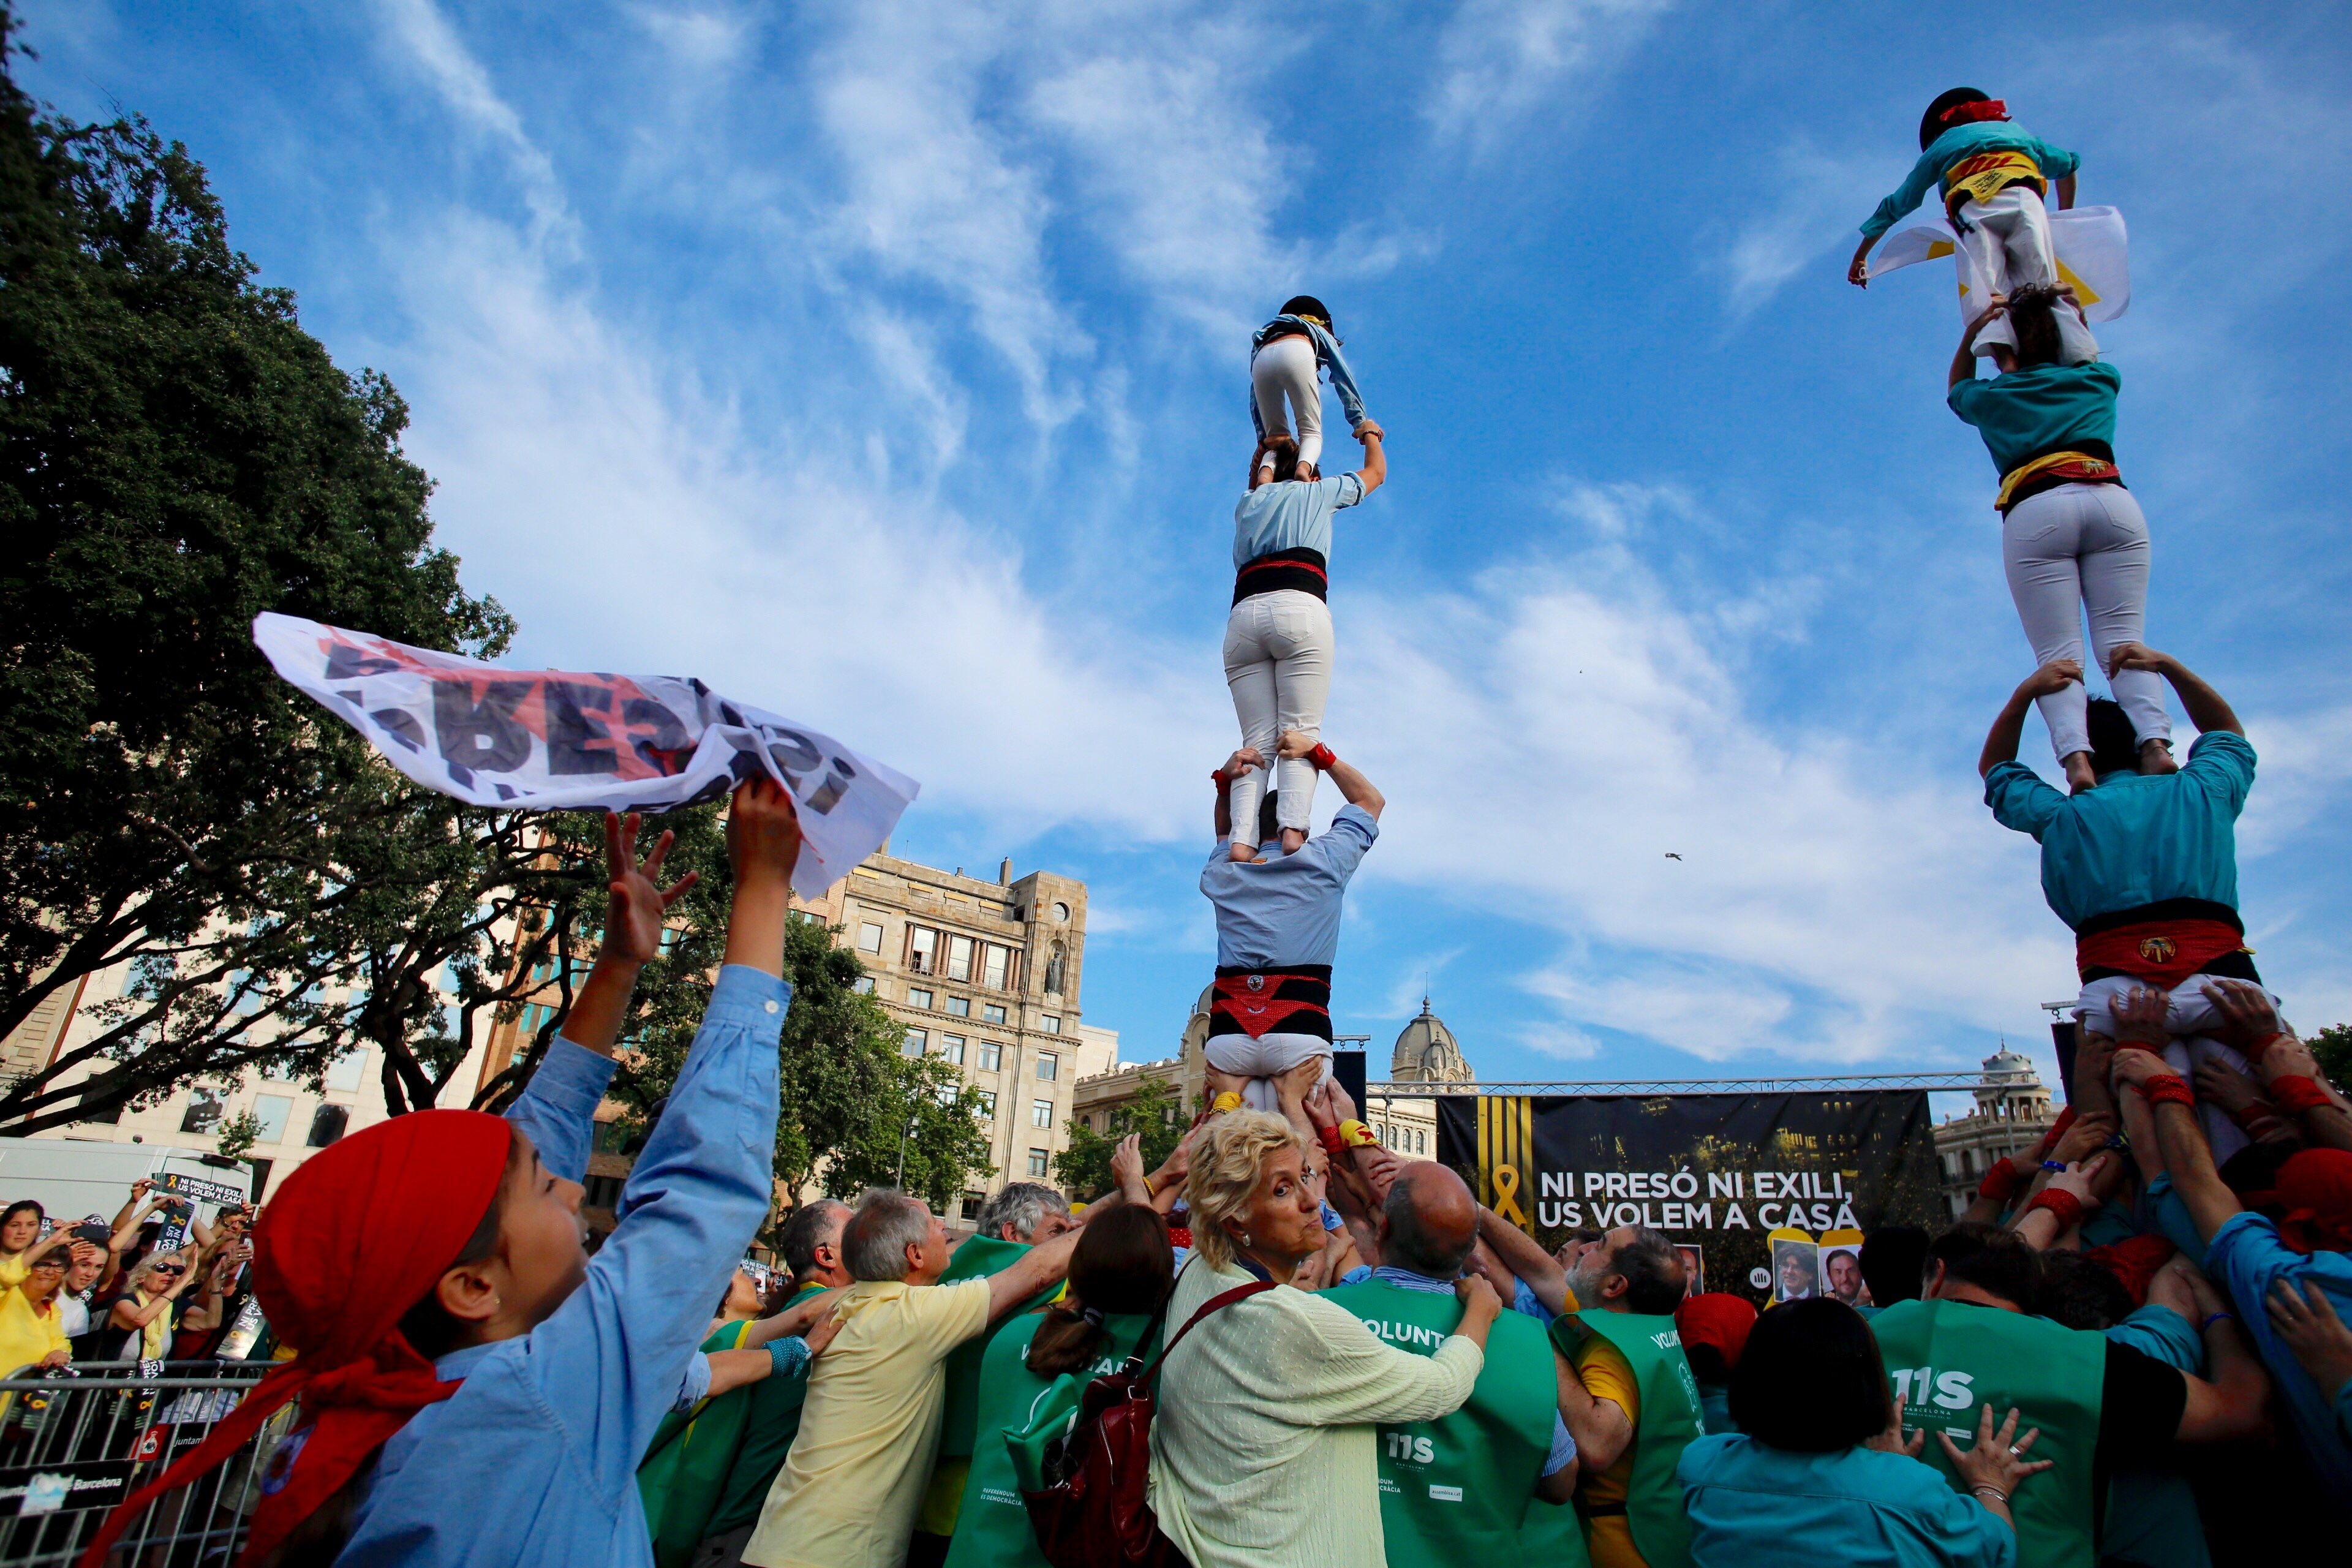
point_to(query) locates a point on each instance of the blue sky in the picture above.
(884, 364)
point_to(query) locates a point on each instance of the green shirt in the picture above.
(2046, 409)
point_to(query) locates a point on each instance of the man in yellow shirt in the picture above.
(32, 1330)
(847, 1494)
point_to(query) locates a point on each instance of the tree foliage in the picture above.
(1156, 1112)
(2333, 1048)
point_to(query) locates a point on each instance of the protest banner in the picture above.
(1752, 1184)
(544, 740)
(2092, 249)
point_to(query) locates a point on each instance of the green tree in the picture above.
(1156, 1112)
(236, 1136)
(2333, 1047)
(854, 1107)
(177, 455)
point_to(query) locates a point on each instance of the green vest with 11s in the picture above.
(1948, 1359)
(1670, 1418)
(1458, 1489)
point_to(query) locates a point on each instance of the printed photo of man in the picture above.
(1796, 1271)
(1841, 1275)
(1693, 1269)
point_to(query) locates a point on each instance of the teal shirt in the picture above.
(1966, 142)
(2046, 409)
(1755, 1505)
(2138, 838)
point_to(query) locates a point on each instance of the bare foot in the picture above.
(2079, 775)
(1241, 852)
(2156, 758)
(1293, 840)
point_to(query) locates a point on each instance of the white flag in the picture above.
(2092, 254)
(547, 740)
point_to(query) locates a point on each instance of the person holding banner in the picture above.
(2073, 540)
(1277, 932)
(1993, 174)
(1630, 1398)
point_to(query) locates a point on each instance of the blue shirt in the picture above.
(534, 1461)
(2246, 1257)
(1755, 1505)
(2137, 838)
(1966, 142)
(2163, 1334)
(1286, 909)
(2042, 408)
(1291, 514)
(1328, 359)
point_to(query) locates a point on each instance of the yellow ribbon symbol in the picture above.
(1506, 1179)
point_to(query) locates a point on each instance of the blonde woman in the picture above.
(145, 1314)
(1263, 1452)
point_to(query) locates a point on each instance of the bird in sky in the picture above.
(1672, 856)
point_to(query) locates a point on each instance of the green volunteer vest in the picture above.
(773, 1420)
(992, 1528)
(1670, 1418)
(1946, 1358)
(1457, 1489)
(686, 1466)
(977, 1258)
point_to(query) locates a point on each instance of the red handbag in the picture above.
(1093, 1513)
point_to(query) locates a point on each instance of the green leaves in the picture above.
(1156, 1112)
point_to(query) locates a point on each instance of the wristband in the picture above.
(2122, 1046)
(2295, 1092)
(2254, 1053)
(1334, 1142)
(2064, 1206)
(2057, 1131)
(1322, 757)
(1356, 1135)
(2260, 1110)
(1222, 781)
(2216, 1318)
(2057, 1166)
(2168, 1088)
(1998, 1496)
(2000, 1183)
(1149, 1190)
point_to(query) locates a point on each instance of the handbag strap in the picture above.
(1222, 1299)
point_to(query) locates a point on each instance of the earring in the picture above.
(1245, 1239)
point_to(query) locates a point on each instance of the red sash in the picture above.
(1260, 1001)
(2160, 952)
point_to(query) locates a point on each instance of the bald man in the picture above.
(1463, 1482)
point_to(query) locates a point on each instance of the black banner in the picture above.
(1767, 1193)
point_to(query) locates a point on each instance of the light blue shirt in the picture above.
(534, 1461)
(2138, 838)
(1328, 360)
(2246, 1257)
(1755, 1505)
(1966, 142)
(1286, 909)
(1291, 514)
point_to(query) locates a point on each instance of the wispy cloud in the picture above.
(1818, 200)
(1501, 63)
(423, 38)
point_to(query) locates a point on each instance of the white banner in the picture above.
(549, 740)
(2092, 254)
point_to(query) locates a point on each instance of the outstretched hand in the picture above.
(1241, 763)
(2306, 1321)
(1295, 744)
(2244, 1010)
(2080, 1180)
(2052, 679)
(633, 927)
(2142, 1015)
(1993, 1460)
(763, 833)
(1892, 1440)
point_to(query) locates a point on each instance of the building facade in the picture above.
(2011, 1113)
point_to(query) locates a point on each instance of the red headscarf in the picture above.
(355, 1238)
(2314, 1188)
(1970, 113)
(2133, 1262)
(1717, 1318)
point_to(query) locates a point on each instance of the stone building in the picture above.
(2013, 1112)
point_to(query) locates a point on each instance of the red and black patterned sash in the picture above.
(1254, 1002)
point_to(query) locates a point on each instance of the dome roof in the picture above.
(2006, 1063)
(1427, 1052)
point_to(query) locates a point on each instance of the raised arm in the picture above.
(2290, 1073)
(2009, 725)
(1601, 1428)
(2211, 1203)
(1524, 1256)
(1240, 763)
(1041, 1266)
(1354, 787)
(2206, 706)
(1964, 358)
(1375, 471)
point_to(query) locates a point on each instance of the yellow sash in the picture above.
(2093, 468)
(1984, 175)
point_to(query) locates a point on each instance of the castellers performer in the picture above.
(1289, 358)
(1277, 930)
(1992, 173)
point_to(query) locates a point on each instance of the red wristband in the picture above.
(1329, 1136)
(1322, 757)
(1217, 776)
(2295, 1092)
(2168, 1088)
(2254, 1053)
(2065, 1205)
(2000, 1183)
(2138, 1045)
(2057, 1131)
(2260, 1110)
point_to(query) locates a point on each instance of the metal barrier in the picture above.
(71, 1447)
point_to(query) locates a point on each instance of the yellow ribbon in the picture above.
(1506, 1179)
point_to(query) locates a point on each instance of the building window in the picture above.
(1040, 1113)
(917, 997)
(1038, 1160)
(205, 1108)
(869, 938)
(600, 1191)
(1049, 1067)
(951, 1048)
(922, 950)
(862, 986)
(1055, 963)
(1050, 1024)
(992, 1013)
(327, 1124)
(344, 1073)
(992, 1055)
(996, 968)
(960, 1006)
(1062, 912)
(970, 1205)
(959, 958)
(987, 1103)
(271, 1110)
(916, 1040)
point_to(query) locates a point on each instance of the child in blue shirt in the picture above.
(1288, 357)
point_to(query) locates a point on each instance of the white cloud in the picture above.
(1502, 62)
(1817, 203)
(424, 37)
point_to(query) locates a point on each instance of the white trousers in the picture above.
(2070, 549)
(1264, 1058)
(1278, 664)
(2008, 240)
(2186, 1019)
(1284, 369)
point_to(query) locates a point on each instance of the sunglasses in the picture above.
(167, 1269)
